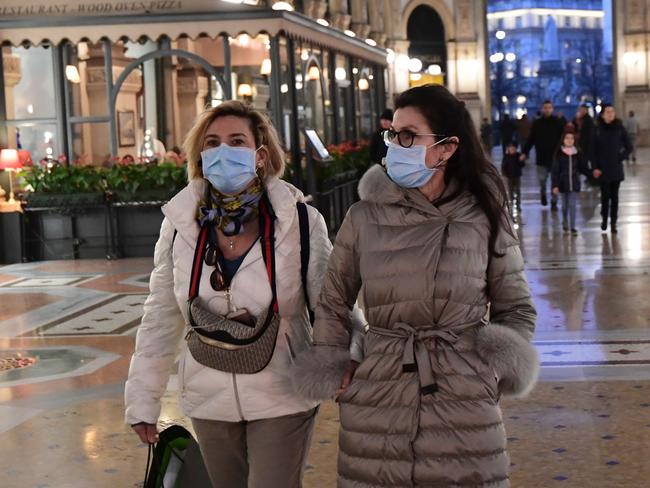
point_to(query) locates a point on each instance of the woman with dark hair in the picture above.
(611, 146)
(433, 258)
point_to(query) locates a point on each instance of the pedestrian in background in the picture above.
(545, 136)
(631, 125)
(377, 145)
(584, 131)
(511, 168)
(508, 131)
(568, 165)
(611, 147)
(523, 130)
(486, 136)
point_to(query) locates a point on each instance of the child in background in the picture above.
(511, 168)
(568, 164)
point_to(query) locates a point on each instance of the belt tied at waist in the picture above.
(416, 356)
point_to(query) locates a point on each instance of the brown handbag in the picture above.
(227, 345)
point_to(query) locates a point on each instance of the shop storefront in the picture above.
(94, 83)
(85, 84)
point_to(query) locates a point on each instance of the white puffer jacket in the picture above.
(205, 392)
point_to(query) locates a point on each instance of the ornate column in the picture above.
(632, 62)
(466, 59)
(13, 75)
(315, 9)
(360, 24)
(376, 22)
(339, 15)
(192, 89)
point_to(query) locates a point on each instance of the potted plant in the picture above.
(136, 193)
(144, 182)
(64, 186)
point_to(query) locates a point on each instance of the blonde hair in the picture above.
(260, 126)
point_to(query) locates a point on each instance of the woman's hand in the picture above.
(148, 433)
(347, 377)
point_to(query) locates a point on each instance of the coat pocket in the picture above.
(485, 374)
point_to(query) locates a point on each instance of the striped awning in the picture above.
(54, 30)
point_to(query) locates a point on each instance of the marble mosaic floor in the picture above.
(587, 423)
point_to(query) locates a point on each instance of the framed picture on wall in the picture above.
(126, 128)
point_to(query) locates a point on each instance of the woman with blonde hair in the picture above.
(229, 279)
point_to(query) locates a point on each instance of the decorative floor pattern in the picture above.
(116, 315)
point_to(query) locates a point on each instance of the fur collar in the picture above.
(377, 187)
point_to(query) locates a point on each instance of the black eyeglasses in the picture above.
(404, 138)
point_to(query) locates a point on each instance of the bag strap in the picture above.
(267, 238)
(267, 231)
(303, 222)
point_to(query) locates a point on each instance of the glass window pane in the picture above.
(29, 82)
(39, 139)
(285, 98)
(327, 99)
(365, 87)
(251, 67)
(314, 92)
(344, 94)
(90, 144)
(85, 78)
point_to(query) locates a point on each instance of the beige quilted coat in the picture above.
(422, 409)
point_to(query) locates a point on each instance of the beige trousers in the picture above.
(269, 453)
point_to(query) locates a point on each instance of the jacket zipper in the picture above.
(237, 401)
(570, 173)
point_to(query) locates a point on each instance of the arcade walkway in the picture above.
(587, 424)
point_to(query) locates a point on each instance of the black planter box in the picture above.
(11, 237)
(137, 228)
(66, 233)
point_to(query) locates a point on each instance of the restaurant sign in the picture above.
(14, 9)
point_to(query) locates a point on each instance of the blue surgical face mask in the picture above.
(407, 167)
(229, 169)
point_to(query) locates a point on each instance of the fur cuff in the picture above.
(317, 372)
(514, 360)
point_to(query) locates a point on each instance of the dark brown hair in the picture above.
(468, 166)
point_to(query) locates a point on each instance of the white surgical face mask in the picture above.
(229, 169)
(407, 165)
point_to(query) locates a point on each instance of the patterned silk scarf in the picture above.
(231, 212)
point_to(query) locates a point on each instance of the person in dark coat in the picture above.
(611, 146)
(545, 135)
(511, 168)
(568, 165)
(378, 147)
(523, 130)
(585, 126)
(486, 136)
(508, 131)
